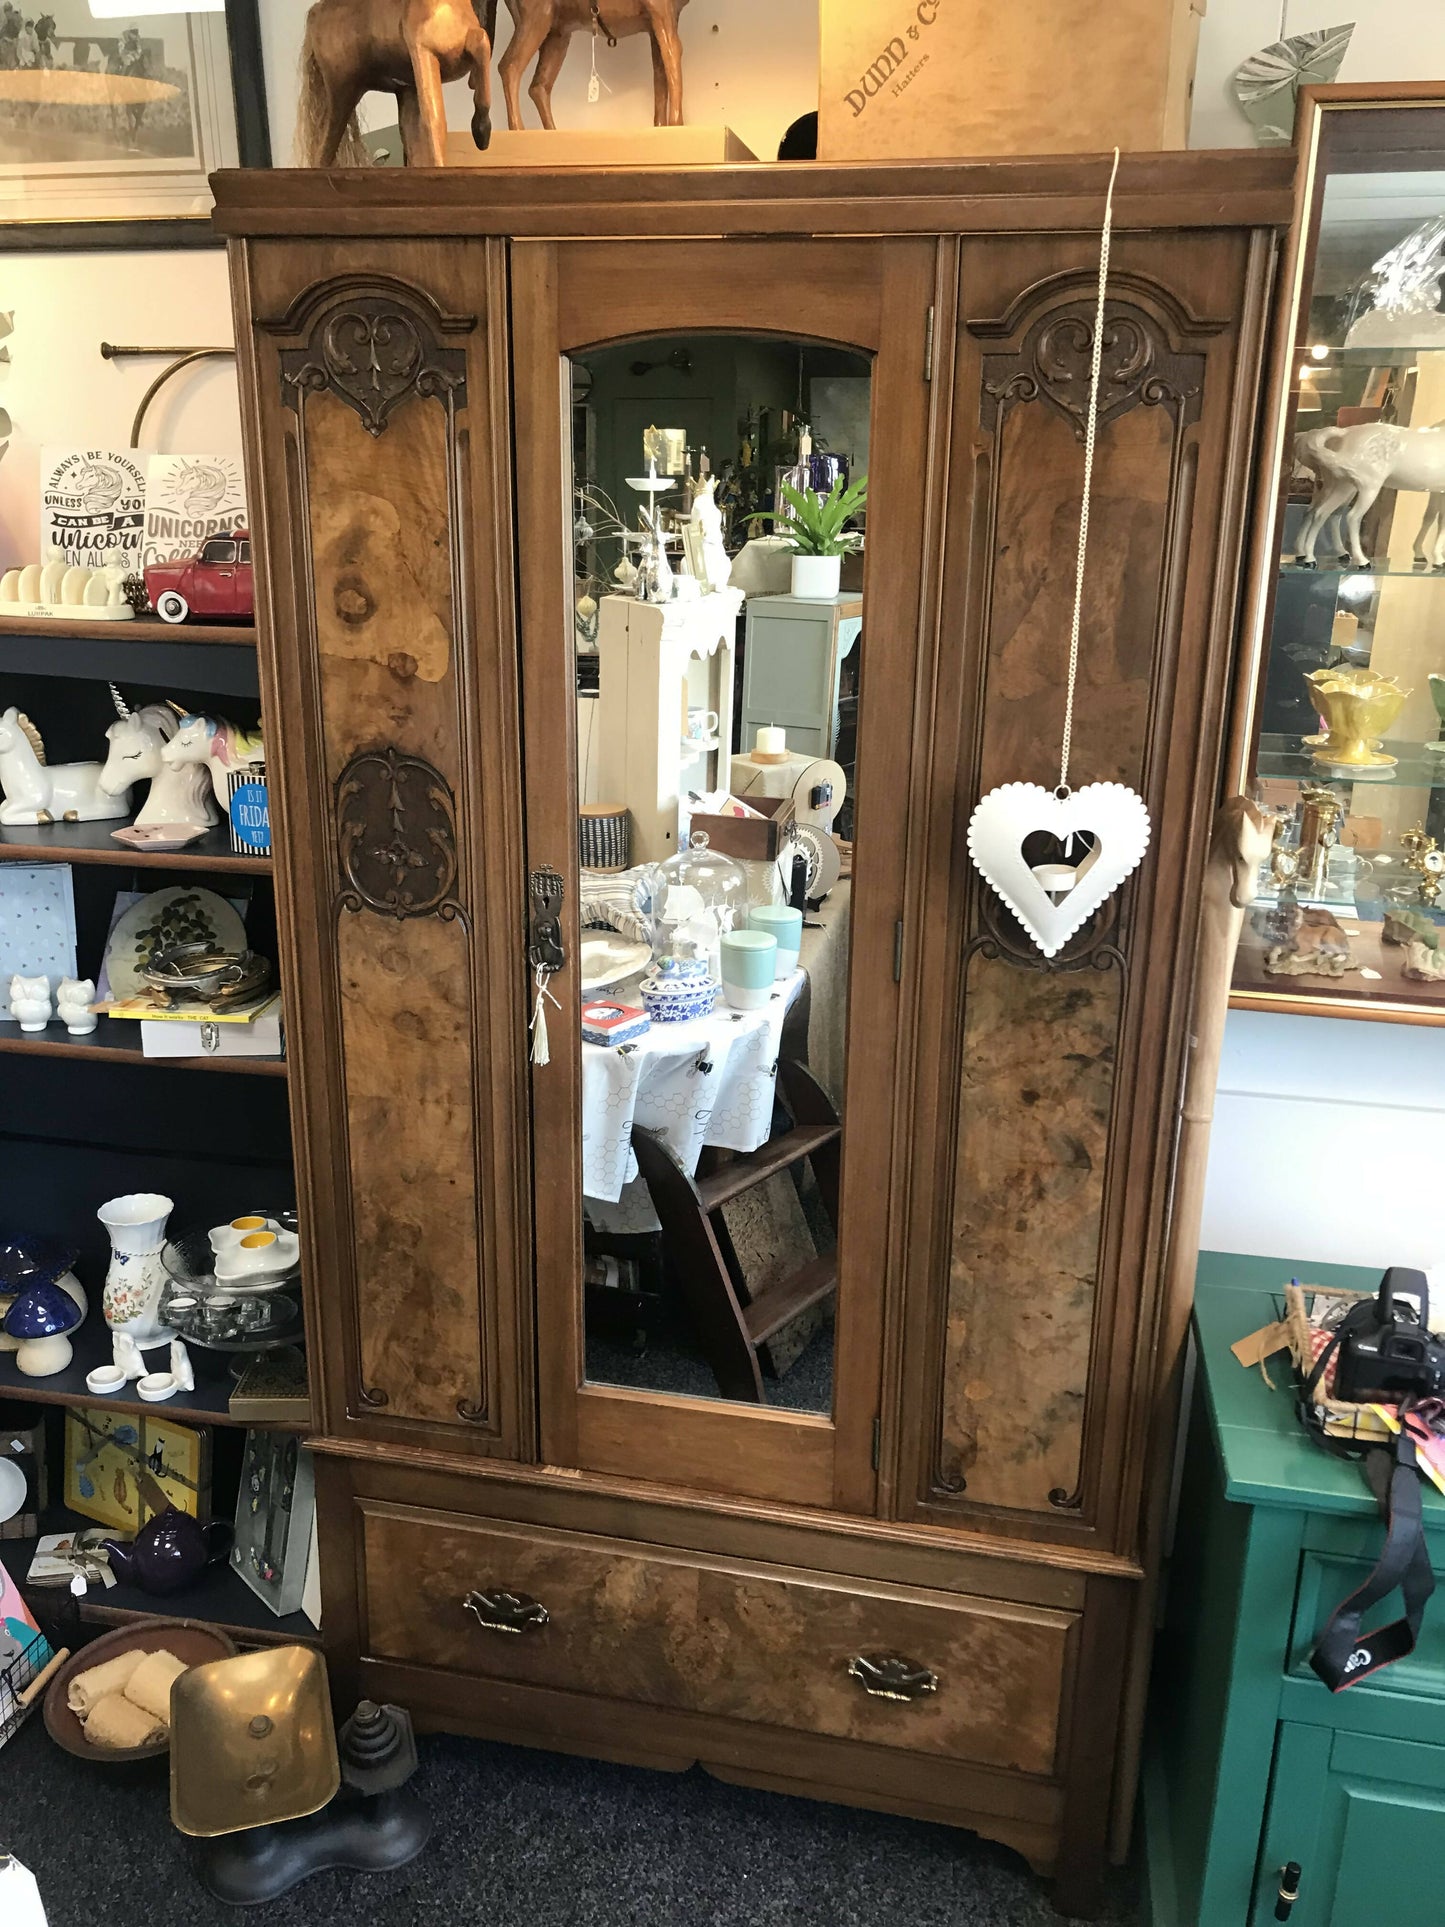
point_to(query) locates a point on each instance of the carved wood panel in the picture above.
(373, 400)
(1044, 1068)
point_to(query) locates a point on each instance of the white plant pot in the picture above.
(136, 1277)
(817, 578)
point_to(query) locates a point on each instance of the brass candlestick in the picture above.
(1426, 860)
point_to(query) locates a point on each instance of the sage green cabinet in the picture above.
(1365, 1819)
(1252, 1762)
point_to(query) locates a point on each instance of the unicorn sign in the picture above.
(92, 503)
(190, 498)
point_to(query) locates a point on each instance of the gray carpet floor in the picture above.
(529, 1839)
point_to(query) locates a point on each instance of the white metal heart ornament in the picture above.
(1113, 817)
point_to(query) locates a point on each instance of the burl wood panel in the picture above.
(768, 1646)
(382, 579)
(1040, 1048)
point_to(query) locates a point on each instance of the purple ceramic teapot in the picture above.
(170, 1553)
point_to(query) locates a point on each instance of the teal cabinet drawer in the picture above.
(1365, 1820)
(1327, 1578)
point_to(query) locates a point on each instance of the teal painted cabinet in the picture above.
(1365, 1819)
(1252, 1762)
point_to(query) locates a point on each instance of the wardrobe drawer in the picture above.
(984, 1679)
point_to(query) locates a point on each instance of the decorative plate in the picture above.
(160, 921)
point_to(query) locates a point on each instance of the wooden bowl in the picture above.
(189, 1639)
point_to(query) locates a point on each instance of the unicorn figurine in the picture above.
(219, 745)
(707, 516)
(34, 792)
(180, 793)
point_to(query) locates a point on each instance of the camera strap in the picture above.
(1343, 1654)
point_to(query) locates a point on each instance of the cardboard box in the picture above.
(602, 147)
(946, 79)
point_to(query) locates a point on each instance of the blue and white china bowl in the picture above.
(678, 988)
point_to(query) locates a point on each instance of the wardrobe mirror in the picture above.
(719, 660)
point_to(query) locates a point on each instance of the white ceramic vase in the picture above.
(817, 578)
(136, 1278)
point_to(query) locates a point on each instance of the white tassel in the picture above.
(541, 1048)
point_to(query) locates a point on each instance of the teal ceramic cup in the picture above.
(784, 924)
(749, 965)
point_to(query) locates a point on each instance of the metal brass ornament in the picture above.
(231, 1768)
(1424, 859)
(1320, 813)
(396, 837)
(889, 1676)
(500, 1611)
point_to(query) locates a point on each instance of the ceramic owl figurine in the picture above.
(30, 1002)
(126, 1354)
(72, 1005)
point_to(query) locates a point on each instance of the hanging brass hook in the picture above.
(183, 358)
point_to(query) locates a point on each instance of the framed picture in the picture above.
(112, 121)
(121, 1470)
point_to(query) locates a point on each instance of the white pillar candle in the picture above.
(771, 742)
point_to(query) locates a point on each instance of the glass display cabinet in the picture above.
(1342, 724)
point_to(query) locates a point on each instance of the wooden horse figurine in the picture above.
(402, 47)
(544, 28)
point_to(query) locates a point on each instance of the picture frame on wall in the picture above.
(112, 120)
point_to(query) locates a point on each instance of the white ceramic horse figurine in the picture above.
(1352, 465)
(219, 745)
(179, 793)
(35, 792)
(707, 517)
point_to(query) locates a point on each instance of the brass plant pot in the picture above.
(1359, 707)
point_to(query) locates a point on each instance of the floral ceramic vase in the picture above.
(136, 1278)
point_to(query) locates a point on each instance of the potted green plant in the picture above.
(813, 525)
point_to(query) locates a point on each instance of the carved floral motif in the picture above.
(375, 353)
(1138, 368)
(396, 836)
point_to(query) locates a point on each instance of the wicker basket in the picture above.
(1342, 1419)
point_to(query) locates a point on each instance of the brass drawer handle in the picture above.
(501, 1611)
(889, 1676)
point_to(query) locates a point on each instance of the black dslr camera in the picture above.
(1386, 1352)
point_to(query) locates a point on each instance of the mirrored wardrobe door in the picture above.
(722, 484)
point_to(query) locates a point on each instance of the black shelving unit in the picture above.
(219, 1597)
(89, 1118)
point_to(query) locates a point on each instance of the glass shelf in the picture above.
(1335, 570)
(1417, 768)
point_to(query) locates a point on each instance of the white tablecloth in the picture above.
(710, 1081)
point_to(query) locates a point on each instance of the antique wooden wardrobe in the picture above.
(925, 1597)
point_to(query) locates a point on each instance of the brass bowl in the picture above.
(1359, 707)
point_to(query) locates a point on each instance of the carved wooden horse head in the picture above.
(543, 29)
(404, 47)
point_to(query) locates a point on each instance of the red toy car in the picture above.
(213, 586)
